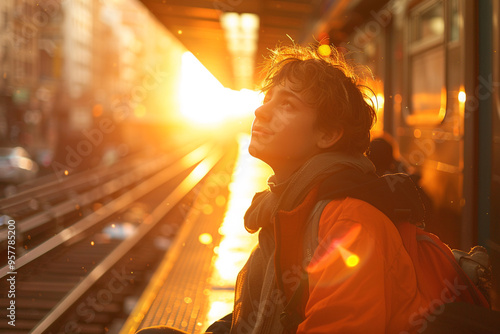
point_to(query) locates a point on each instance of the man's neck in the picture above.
(282, 175)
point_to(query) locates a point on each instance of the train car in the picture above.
(429, 61)
(436, 73)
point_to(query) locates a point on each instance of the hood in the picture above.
(396, 195)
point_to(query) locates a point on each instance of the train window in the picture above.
(428, 23)
(427, 81)
(426, 60)
(454, 21)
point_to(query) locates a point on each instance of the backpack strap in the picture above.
(311, 241)
(291, 316)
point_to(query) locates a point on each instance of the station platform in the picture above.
(194, 284)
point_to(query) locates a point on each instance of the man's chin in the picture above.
(253, 151)
(256, 149)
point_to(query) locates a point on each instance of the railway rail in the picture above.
(98, 265)
(67, 200)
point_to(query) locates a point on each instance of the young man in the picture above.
(330, 257)
(338, 250)
(313, 130)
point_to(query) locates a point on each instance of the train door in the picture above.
(429, 107)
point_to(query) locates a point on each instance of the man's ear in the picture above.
(329, 138)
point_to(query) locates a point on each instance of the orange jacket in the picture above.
(361, 278)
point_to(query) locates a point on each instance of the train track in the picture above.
(76, 195)
(86, 278)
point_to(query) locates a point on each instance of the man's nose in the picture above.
(263, 112)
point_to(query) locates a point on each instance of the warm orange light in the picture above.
(220, 200)
(249, 176)
(140, 111)
(350, 259)
(207, 209)
(462, 97)
(441, 114)
(205, 238)
(417, 133)
(97, 110)
(324, 50)
(338, 249)
(378, 101)
(442, 110)
(199, 91)
(201, 170)
(205, 101)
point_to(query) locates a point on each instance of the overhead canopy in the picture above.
(197, 24)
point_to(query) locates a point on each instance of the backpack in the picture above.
(438, 269)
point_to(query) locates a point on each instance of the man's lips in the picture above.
(260, 130)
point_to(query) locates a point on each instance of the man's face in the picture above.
(284, 134)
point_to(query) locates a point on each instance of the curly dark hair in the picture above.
(329, 84)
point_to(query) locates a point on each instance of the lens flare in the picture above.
(335, 250)
(350, 259)
(205, 238)
(325, 50)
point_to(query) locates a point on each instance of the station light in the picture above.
(461, 97)
(241, 31)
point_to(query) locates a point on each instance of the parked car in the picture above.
(16, 165)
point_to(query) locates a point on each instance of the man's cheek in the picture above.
(281, 121)
(259, 145)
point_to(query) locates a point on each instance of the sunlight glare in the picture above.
(378, 101)
(205, 101)
(199, 90)
(201, 170)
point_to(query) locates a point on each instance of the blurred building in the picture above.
(77, 48)
(64, 65)
(6, 14)
(19, 65)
